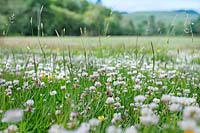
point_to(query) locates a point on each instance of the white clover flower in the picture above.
(113, 129)
(18, 89)
(73, 115)
(110, 100)
(191, 112)
(146, 111)
(116, 118)
(14, 115)
(131, 130)
(30, 102)
(84, 74)
(92, 88)
(156, 100)
(149, 120)
(94, 122)
(148, 117)
(137, 87)
(12, 128)
(97, 84)
(57, 112)
(42, 84)
(63, 87)
(151, 88)
(186, 91)
(118, 105)
(165, 98)
(52, 93)
(16, 82)
(116, 83)
(8, 83)
(159, 83)
(84, 128)
(56, 129)
(139, 99)
(188, 125)
(8, 92)
(25, 85)
(153, 105)
(175, 107)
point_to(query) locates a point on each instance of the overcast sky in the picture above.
(151, 5)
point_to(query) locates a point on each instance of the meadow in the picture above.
(100, 84)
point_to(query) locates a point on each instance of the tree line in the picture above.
(76, 17)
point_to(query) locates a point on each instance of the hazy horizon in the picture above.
(151, 5)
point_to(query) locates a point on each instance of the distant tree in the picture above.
(141, 28)
(196, 26)
(161, 29)
(151, 28)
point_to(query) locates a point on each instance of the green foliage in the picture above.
(41, 17)
(165, 23)
(196, 27)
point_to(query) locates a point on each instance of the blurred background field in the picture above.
(43, 17)
(172, 43)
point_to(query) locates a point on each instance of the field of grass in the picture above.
(100, 84)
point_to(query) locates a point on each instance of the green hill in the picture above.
(165, 16)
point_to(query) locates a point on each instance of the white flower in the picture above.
(92, 88)
(191, 112)
(73, 116)
(97, 84)
(146, 111)
(116, 117)
(12, 128)
(56, 129)
(148, 117)
(175, 107)
(25, 84)
(63, 87)
(113, 129)
(149, 120)
(52, 93)
(16, 82)
(139, 99)
(156, 100)
(57, 112)
(8, 91)
(84, 128)
(14, 115)
(131, 130)
(187, 125)
(159, 83)
(186, 91)
(165, 98)
(137, 87)
(30, 102)
(153, 105)
(110, 100)
(94, 122)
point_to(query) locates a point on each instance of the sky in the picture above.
(151, 5)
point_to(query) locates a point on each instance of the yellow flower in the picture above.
(101, 118)
(42, 75)
(188, 131)
(50, 77)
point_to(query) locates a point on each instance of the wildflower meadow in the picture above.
(139, 87)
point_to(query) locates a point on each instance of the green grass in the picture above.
(133, 65)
